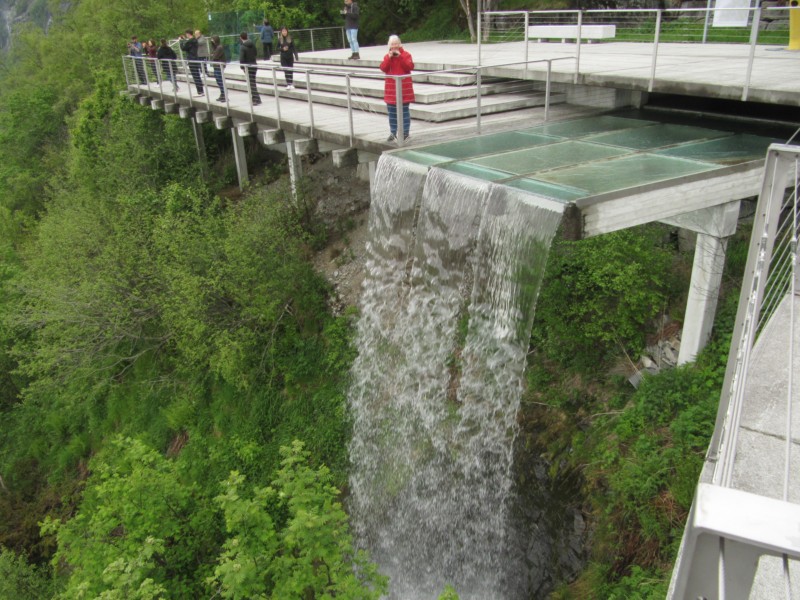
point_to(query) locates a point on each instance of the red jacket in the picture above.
(398, 65)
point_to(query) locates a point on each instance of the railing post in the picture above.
(277, 97)
(312, 40)
(751, 58)
(547, 90)
(350, 109)
(705, 24)
(310, 103)
(655, 51)
(125, 70)
(479, 38)
(478, 115)
(525, 37)
(398, 98)
(578, 48)
(344, 40)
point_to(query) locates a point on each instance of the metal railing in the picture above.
(656, 27)
(305, 40)
(167, 75)
(729, 529)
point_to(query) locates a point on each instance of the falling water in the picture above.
(447, 309)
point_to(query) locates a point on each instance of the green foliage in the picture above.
(448, 594)
(304, 552)
(598, 294)
(139, 530)
(20, 580)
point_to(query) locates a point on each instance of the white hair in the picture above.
(394, 38)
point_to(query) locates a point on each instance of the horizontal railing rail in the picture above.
(167, 75)
(749, 27)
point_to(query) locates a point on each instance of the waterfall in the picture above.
(454, 268)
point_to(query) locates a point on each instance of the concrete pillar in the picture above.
(701, 304)
(240, 157)
(201, 147)
(295, 167)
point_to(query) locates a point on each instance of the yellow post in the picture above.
(794, 25)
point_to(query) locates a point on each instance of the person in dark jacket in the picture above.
(167, 57)
(248, 58)
(190, 47)
(219, 59)
(135, 50)
(351, 18)
(288, 56)
(151, 50)
(397, 62)
(267, 34)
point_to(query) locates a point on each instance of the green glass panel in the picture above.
(730, 150)
(656, 136)
(549, 190)
(625, 172)
(583, 127)
(487, 144)
(476, 171)
(421, 158)
(531, 160)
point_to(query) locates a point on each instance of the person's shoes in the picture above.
(200, 95)
(221, 99)
(356, 56)
(256, 102)
(290, 87)
(406, 136)
(392, 138)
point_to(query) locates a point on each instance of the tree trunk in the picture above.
(468, 11)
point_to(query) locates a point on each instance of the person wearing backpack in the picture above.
(248, 58)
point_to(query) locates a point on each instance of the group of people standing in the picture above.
(396, 62)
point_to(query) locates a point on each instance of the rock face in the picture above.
(15, 12)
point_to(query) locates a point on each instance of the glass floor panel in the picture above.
(561, 193)
(422, 157)
(488, 144)
(476, 171)
(583, 127)
(729, 150)
(530, 160)
(625, 172)
(656, 136)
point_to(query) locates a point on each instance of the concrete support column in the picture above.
(240, 157)
(295, 167)
(701, 304)
(201, 147)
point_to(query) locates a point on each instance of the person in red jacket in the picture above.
(398, 62)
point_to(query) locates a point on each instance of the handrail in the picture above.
(140, 75)
(640, 21)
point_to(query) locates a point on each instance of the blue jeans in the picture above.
(392, 108)
(220, 81)
(352, 38)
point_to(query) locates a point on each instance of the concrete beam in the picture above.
(307, 146)
(171, 108)
(346, 157)
(223, 122)
(719, 221)
(186, 112)
(270, 137)
(144, 100)
(203, 116)
(246, 129)
(157, 104)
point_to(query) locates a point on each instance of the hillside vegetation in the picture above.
(173, 418)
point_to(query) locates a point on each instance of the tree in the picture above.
(304, 551)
